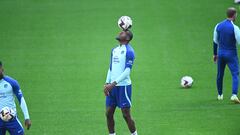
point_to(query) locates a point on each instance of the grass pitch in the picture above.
(59, 52)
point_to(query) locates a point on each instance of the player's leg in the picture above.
(110, 119)
(2, 128)
(2, 131)
(125, 93)
(14, 127)
(130, 122)
(234, 68)
(111, 104)
(221, 64)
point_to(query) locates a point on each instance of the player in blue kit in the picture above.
(118, 88)
(226, 37)
(8, 88)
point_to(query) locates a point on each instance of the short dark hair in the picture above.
(231, 12)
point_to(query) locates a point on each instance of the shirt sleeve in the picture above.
(108, 79)
(215, 35)
(17, 91)
(129, 59)
(110, 65)
(215, 48)
(237, 33)
(125, 73)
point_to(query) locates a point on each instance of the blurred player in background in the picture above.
(8, 88)
(226, 37)
(118, 86)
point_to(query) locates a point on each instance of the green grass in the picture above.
(59, 52)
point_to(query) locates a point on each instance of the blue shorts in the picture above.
(120, 96)
(14, 127)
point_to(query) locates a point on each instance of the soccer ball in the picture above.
(125, 22)
(186, 81)
(237, 1)
(6, 114)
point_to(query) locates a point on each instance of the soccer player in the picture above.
(118, 86)
(8, 88)
(226, 37)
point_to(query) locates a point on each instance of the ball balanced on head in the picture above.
(125, 23)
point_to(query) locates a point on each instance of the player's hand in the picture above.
(106, 92)
(215, 57)
(109, 87)
(28, 123)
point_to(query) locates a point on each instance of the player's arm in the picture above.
(215, 44)
(129, 63)
(108, 79)
(17, 91)
(128, 66)
(237, 33)
(110, 86)
(215, 48)
(125, 73)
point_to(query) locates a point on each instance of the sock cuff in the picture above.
(134, 133)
